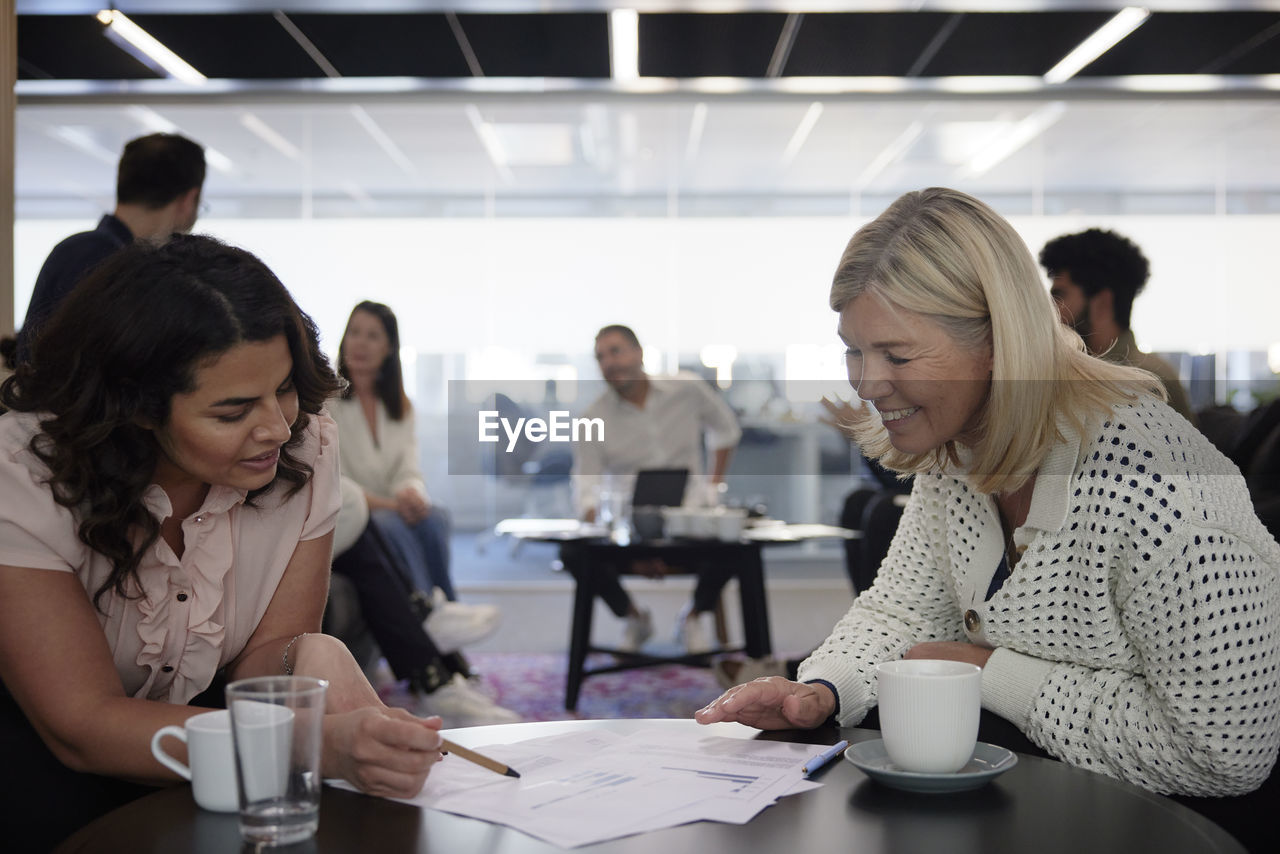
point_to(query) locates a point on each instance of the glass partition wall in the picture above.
(506, 230)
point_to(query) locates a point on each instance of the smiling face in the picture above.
(926, 386)
(228, 430)
(365, 344)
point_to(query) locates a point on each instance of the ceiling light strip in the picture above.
(786, 41)
(489, 140)
(696, 125)
(464, 44)
(269, 135)
(1021, 134)
(624, 44)
(798, 138)
(329, 69)
(1103, 39)
(385, 142)
(147, 48)
(892, 153)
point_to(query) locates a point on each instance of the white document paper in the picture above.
(587, 787)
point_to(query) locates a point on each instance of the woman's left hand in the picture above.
(951, 651)
(412, 506)
(381, 751)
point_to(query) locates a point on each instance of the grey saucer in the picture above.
(988, 762)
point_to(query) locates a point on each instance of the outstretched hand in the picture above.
(771, 703)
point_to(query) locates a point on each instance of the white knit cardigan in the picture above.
(1139, 635)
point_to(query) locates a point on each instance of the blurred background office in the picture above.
(511, 175)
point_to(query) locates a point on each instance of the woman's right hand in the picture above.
(771, 703)
(381, 751)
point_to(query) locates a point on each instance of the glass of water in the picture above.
(276, 729)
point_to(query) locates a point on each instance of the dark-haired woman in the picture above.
(170, 486)
(380, 452)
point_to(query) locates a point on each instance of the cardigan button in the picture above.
(972, 622)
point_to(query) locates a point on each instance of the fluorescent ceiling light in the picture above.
(696, 125)
(624, 44)
(489, 140)
(269, 135)
(891, 154)
(537, 143)
(146, 48)
(1021, 134)
(384, 141)
(79, 138)
(1103, 39)
(798, 138)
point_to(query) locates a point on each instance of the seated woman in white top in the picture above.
(1067, 531)
(380, 452)
(170, 485)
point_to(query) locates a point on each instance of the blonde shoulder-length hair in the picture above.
(949, 257)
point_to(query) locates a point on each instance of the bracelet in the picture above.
(288, 668)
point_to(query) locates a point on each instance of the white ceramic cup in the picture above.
(929, 713)
(730, 523)
(212, 761)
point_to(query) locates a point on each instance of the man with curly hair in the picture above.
(1095, 276)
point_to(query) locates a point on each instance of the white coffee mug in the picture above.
(212, 761)
(929, 712)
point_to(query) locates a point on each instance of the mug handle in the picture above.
(165, 759)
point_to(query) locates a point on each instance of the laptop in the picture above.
(660, 488)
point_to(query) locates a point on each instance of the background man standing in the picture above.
(158, 187)
(654, 422)
(1095, 276)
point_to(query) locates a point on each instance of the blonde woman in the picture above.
(1067, 531)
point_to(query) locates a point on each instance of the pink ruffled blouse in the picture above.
(197, 612)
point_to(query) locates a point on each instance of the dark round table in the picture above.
(1039, 806)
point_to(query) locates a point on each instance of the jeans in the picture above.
(422, 547)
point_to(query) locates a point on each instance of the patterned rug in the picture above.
(532, 685)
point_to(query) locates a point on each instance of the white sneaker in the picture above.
(460, 705)
(636, 630)
(453, 625)
(483, 613)
(696, 634)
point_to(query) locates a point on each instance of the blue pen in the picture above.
(824, 757)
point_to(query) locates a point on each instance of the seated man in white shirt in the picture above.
(654, 422)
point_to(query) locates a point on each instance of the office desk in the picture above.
(1041, 806)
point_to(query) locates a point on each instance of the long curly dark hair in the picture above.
(124, 342)
(389, 384)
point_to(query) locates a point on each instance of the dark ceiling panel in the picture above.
(386, 45)
(1260, 54)
(547, 45)
(250, 47)
(1013, 43)
(862, 45)
(689, 45)
(72, 47)
(1186, 43)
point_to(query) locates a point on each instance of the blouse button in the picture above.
(168, 668)
(972, 622)
(182, 597)
(200, 519)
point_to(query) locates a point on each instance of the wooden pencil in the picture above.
(479, 759)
